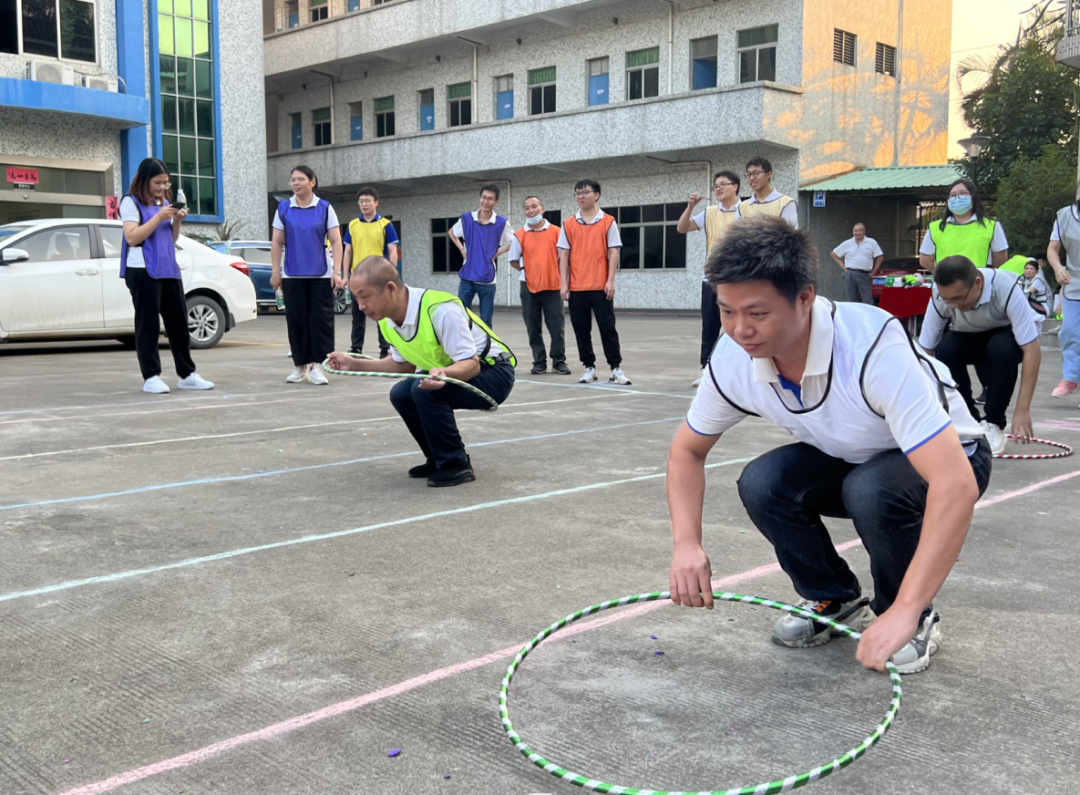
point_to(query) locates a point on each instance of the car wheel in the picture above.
(206, 321)
(341, 302)
(128, 341)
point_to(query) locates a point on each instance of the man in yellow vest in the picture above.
(430, 331)
(715, 220)
(370, 235)
(766, 200)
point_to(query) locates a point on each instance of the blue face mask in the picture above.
(535, 220)
(960, 204)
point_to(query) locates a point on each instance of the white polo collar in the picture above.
(530, 228)
(819, 348)
(988, 286)
(412, 312)
(595, 220)
(770, 198)
(476, 217)
(294, 203)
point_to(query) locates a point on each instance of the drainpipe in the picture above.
(671, 41)
(475, 75)
(899, 81)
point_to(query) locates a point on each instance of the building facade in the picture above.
(429, 99)
(88, 88)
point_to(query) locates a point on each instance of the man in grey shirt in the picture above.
(860, 257)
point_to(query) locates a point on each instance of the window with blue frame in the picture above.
(356, 121)
(427, 109)
(504, 97)
(598, 81)
(296, 124)
(703, 63)
(189, 140)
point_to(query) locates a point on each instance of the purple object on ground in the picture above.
(657, 652)
(394, 752)
(653, 637)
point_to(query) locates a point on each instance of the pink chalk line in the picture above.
(299, 722)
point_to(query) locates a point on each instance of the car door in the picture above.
(185, 262)
(260, 268)
(115, 296)
(58, 288)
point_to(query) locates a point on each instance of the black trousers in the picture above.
(309, 313)
(359, 332)
(165, 297)
(583, 305)
(997, 358)
(710, 321)
(544, 305)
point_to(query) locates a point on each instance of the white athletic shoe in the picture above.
(619, 377)
(995, 436)
(915, 655)
(316, 375)
(298, 375)
(155, 386)
(588, 376)
(194, 381)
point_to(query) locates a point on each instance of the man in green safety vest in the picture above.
(432, 332)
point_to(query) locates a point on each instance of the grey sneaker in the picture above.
(915, 656)
(797, 632)
(588, 376)
(619, 377)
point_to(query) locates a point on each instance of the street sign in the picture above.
(819, 198)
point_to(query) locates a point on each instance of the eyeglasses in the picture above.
(958, 303)
(752, 174)
(722, 185)
(965, 194)
(579, 193)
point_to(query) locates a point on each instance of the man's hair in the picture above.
(956, 268)
(367, 190)
(532, 197)
(591, 184)
(1040, 254)
(730, 176)
(378, 272)
(764, 249)
(490, 188)
(859, 223)
(766, 166)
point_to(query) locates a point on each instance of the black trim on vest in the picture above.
(941, 385)
(828, 384)
(731, 402)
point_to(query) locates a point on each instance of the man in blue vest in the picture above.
(486, 236)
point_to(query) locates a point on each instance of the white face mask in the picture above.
(535, 220)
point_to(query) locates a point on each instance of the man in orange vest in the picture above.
(588, 258)
(534, 252)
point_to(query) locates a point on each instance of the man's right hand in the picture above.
(690, 577)
(695, 199)
(565, 291)
(341, 361)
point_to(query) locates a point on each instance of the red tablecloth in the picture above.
(905, 301)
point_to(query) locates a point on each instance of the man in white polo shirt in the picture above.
(860, 257)
(883, 439)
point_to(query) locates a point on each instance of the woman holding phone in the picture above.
(148, 267)
(307, 278)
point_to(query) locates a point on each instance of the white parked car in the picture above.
(60, 279)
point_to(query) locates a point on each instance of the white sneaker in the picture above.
(697, 381)
(298, 375)
(619, 377)
(995, 436)
(588, 376)
(194, 381)
(316, 375)
(915, 656)
(155, 386)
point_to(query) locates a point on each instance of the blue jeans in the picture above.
(466, 291)
(788, 490)
(1069, 338)
(429, 413)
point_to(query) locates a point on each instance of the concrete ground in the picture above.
(240, 591)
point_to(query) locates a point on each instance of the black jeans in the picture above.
(997, 359)
(309, 313)
(788, 490)
(429, 413)
(710, 321)
(151, 298)
(583, 305)
(359, 332)
(546, 304)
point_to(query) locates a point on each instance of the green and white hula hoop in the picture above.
(414, 376)
(768, 788)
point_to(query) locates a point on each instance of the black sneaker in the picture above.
(453, 476)
(384, 353)
(981, 399)
(355, 352)
(561, 368)
(425, 470)
(538, 369)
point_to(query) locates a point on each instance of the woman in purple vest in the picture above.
(148, 267)
(308, 277)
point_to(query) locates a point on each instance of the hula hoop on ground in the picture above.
(415, 376)
(1040, 456)
(769, 788)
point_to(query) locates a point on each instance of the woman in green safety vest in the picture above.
(964, 230)
(430, 331)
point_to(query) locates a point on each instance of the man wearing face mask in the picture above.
(534, 253)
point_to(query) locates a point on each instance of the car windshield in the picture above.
(7, 230)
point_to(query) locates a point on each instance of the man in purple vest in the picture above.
(486, 236)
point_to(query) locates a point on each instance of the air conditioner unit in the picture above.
(50, 72)
(101, 82)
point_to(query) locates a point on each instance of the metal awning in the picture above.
(925, 183)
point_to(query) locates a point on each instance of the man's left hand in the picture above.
(1022, 429)
(889, 633)
(432, 383)
(609, 290)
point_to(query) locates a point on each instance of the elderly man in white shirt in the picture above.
(882, 438)
(860, 257)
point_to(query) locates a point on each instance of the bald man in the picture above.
(432, 332)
